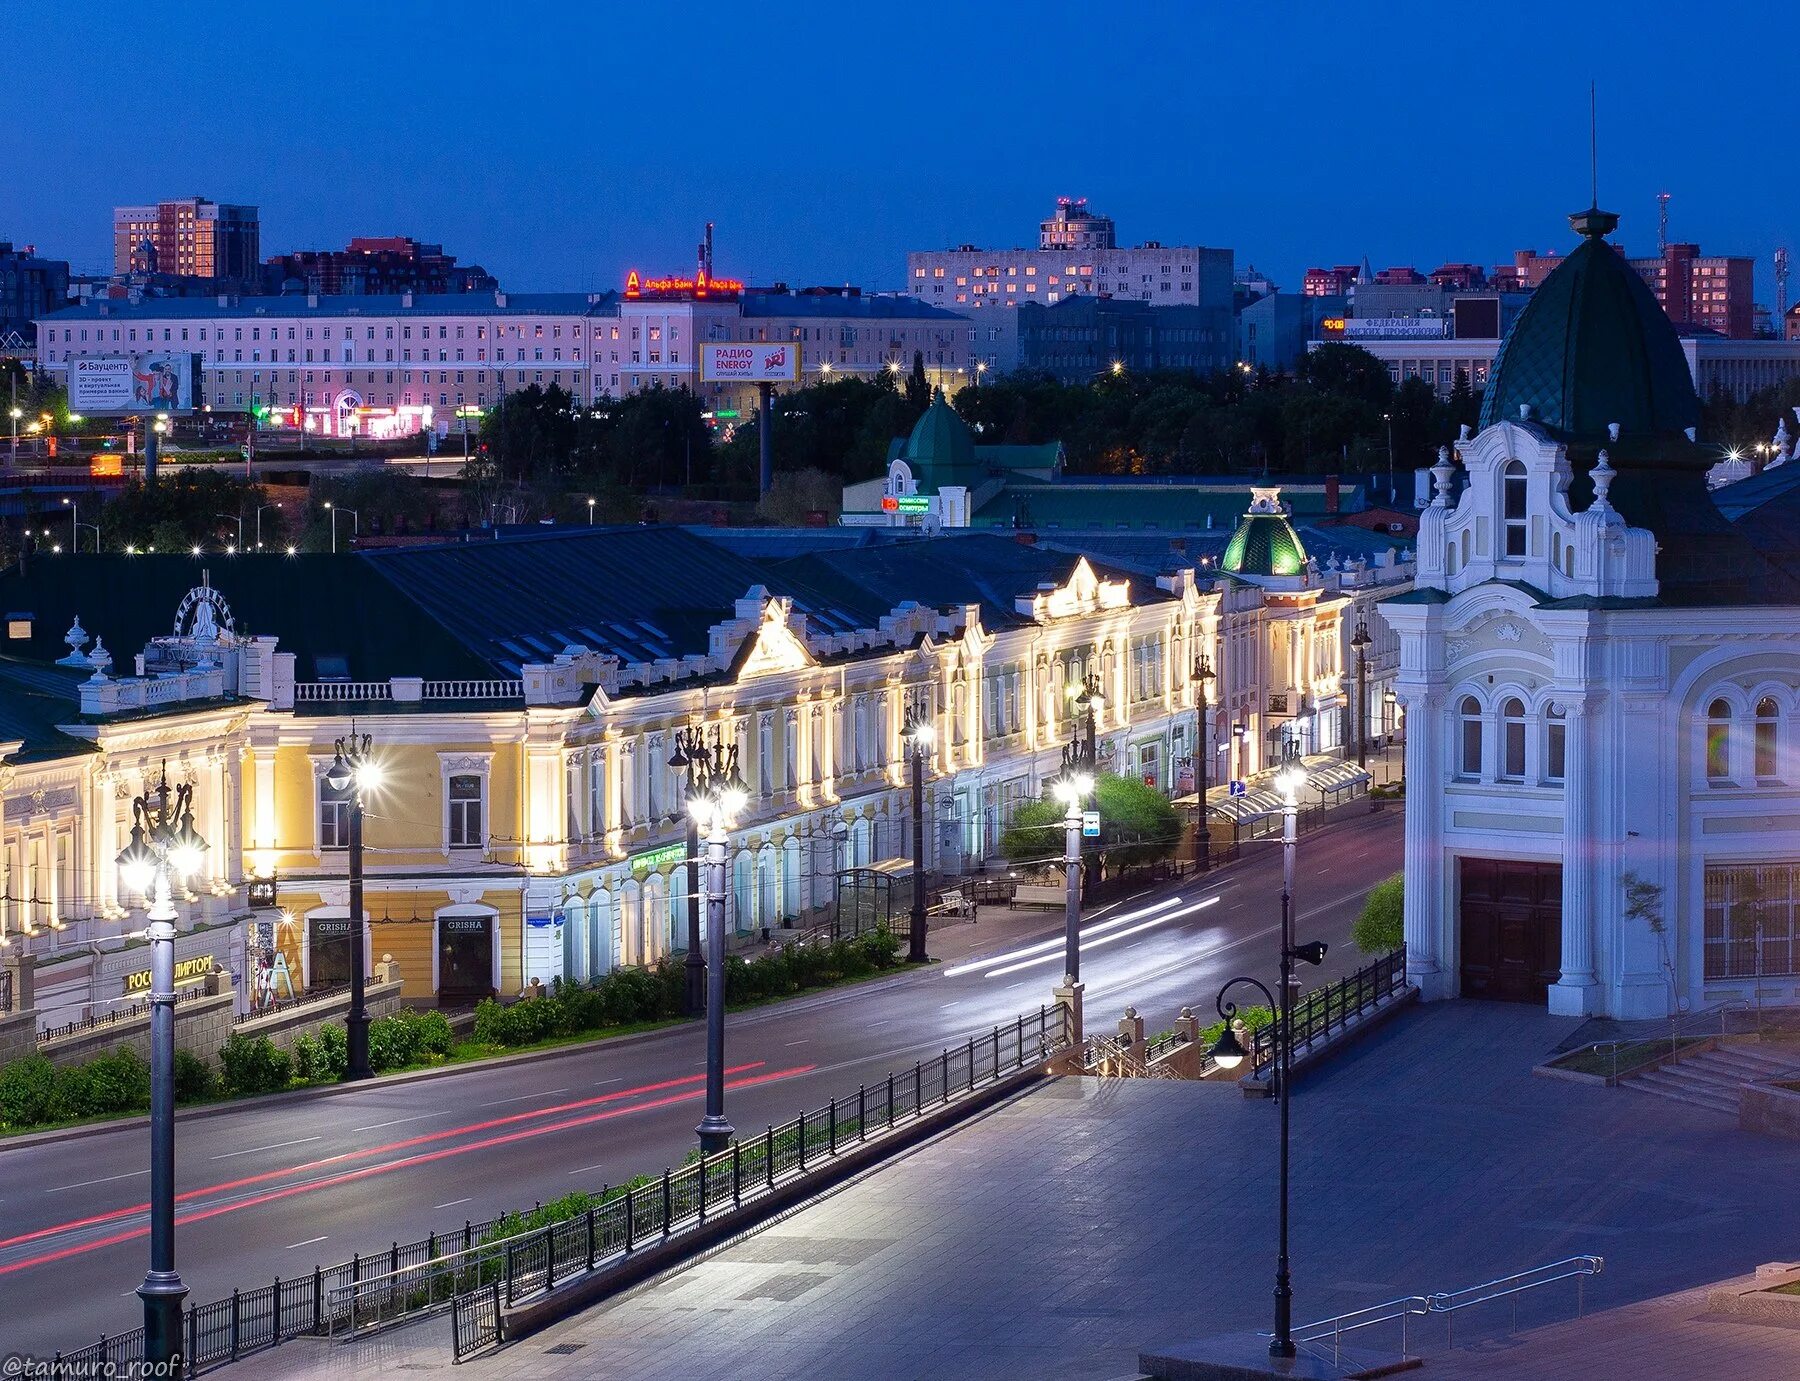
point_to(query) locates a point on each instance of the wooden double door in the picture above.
(1511, 919)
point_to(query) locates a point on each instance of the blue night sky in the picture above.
(559, 143)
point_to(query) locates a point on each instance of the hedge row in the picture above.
(35, 1093)
(627, 996)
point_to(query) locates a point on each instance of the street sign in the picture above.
(1090, 824)
(1238, 789)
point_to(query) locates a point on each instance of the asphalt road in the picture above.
(274, 1190)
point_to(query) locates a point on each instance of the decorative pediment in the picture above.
(1084, 593)
(774, 646)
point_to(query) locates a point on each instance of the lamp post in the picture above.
(355, 523)
(1388, 418)
(1072, 788)
(259, 513)
(1203, 676)
(237, 518)
(1239, 733)
(164, 845)
(590, 504)
(691, 757)
(1389, 722)
(1089, 699)
(1359, 644)
(352, 771)
(1229, 1052)
(717, 795)
(920, 736)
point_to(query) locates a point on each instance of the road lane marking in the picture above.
(252, 1150)
(604, 1082)
(453, 1203)
(1046, 946)
(307, 1243)
(403, 1163)
(805, 1042)
(541, 1093)
(107, 1180)
(377, 1126)
(1105, 940)
(362, 1153)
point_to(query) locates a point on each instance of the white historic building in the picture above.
(1602, 681)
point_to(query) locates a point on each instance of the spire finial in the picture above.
(1593, 148)
(1603, 476)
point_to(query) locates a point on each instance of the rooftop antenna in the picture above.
(1593, 150)
(1662, 222)
(1781, 297)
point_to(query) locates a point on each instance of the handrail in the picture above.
(1684, 1028)
(1448, 1302)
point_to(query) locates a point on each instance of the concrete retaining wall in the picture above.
(202, 1025)
(1770, 1109)
(18, 1035)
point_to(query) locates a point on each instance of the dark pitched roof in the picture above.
(1593, 347)
(34, 701)
(964, 568)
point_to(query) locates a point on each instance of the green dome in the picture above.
(1265, 542)
(1592, 347)
(941, 449)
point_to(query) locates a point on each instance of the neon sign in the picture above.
(697, 286)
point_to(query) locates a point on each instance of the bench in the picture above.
(1039, 894)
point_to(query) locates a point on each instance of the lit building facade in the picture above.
(190, 237)
(1076, 254)
(1598, 667)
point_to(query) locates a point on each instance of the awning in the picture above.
(1325, 775)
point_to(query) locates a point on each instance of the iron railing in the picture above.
(1326, 1336)
(629, 1220)
(1694, 1028)
(113, 1016)
(473, 1272)
(1330, 1009)
(303, 998)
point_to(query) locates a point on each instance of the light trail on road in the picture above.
(1043, 946)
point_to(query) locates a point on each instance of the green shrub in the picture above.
(322, 1058)
(523, 1022)
(195, 1080)
(434, 1034)
(27, 1092)
(116, 1082)
(253, 1065)
(1381, 929)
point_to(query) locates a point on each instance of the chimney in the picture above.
(499, 298)
(1331, 493)
(312, 300)
(406, 299)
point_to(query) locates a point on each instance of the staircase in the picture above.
(1712, 1078)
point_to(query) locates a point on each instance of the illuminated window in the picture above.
(1718, 741)
(465, 800)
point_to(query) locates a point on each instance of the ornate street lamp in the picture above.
(690, 756)
(1203, 676)
(164, 846)
(920, 736)
(1072, 787)
(350, 774)
(717, 795)
(1088, 699)
(1228, 1052)
(1359, 644)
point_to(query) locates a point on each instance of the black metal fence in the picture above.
(628, 1220)
(475, 1273)
(1330, 1009)
(112, 1016)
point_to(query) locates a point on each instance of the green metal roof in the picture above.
(1264, 544)
(941, 449)
(1593, 347)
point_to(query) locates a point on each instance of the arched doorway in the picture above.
(465, 958)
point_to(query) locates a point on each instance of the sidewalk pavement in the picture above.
(1064, 1231)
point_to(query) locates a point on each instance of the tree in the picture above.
(797, 494)
(1381, 928)
(185, 508)
(1350, 372)
(1643, 903)
(918, 388)
(1137, 826)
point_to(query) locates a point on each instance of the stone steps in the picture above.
(1712, 1078)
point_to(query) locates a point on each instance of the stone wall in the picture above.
(286, 1026)
(1770, 1109)
(18, 1035)
(202, 1025)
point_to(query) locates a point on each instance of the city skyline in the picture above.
(839, 182)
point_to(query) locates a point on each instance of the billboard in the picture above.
(751, 362)
(1396, 328)
(113, 384)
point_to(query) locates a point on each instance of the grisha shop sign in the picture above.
(192, 970)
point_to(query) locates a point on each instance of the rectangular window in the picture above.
(334, 818)
(1556, 747)
(1750, 915)
(465, 812)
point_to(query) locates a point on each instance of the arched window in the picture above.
(1513, 483)
(1512, 740)
(1449, 558)
(1556, 745)
(1465, 548)
(1768, 719)
(1718, 741)
(1556, 549)
(1470, 711)
(1568, 560)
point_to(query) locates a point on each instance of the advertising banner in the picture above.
(751, 362)
(104, 385)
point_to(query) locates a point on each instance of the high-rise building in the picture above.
(1332, 282)
(190, 238)
(1077, 253)
(374, 265)
(30, 287)
(1711, 291)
